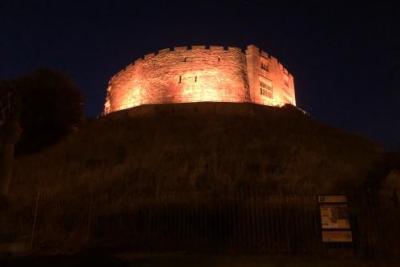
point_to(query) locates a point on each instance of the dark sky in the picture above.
(345, 57)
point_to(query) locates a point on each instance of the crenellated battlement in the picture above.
(192, 48)
(177, 49)
(201, 73)
(195, 48)
(265, 55)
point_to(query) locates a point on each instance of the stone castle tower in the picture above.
(201, 74)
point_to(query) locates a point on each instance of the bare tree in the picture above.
(10, 131)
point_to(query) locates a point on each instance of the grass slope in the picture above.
(145, 155)
(200, 147)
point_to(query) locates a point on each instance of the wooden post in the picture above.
(90, 212)
(6, 167)
(35, 215)
(10, 132)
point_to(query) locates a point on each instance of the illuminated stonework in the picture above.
(201, 74)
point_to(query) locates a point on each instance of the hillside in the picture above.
(203, 146)
(104, 178)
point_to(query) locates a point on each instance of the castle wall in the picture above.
(269, 82)
(183, 75)
(199, 74)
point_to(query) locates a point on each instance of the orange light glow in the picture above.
(201, 74)
(204, 85)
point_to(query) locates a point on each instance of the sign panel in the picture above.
(335, 220)
(337, 236)
(334, 216)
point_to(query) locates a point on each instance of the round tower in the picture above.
(201, 74)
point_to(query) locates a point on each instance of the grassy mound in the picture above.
(200, 147)
(147, 156)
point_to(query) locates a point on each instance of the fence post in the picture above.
(35, 215)
(90, 208)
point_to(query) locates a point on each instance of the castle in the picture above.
(201, 74)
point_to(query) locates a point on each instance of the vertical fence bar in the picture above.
(35, 216)
(245, 219)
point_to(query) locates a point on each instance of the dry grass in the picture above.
(187, 148)
(275, 149)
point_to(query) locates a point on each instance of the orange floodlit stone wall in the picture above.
(201, 74)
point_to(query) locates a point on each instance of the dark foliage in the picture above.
(10, 105)
(51, 106)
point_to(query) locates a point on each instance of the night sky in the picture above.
(345, 58)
